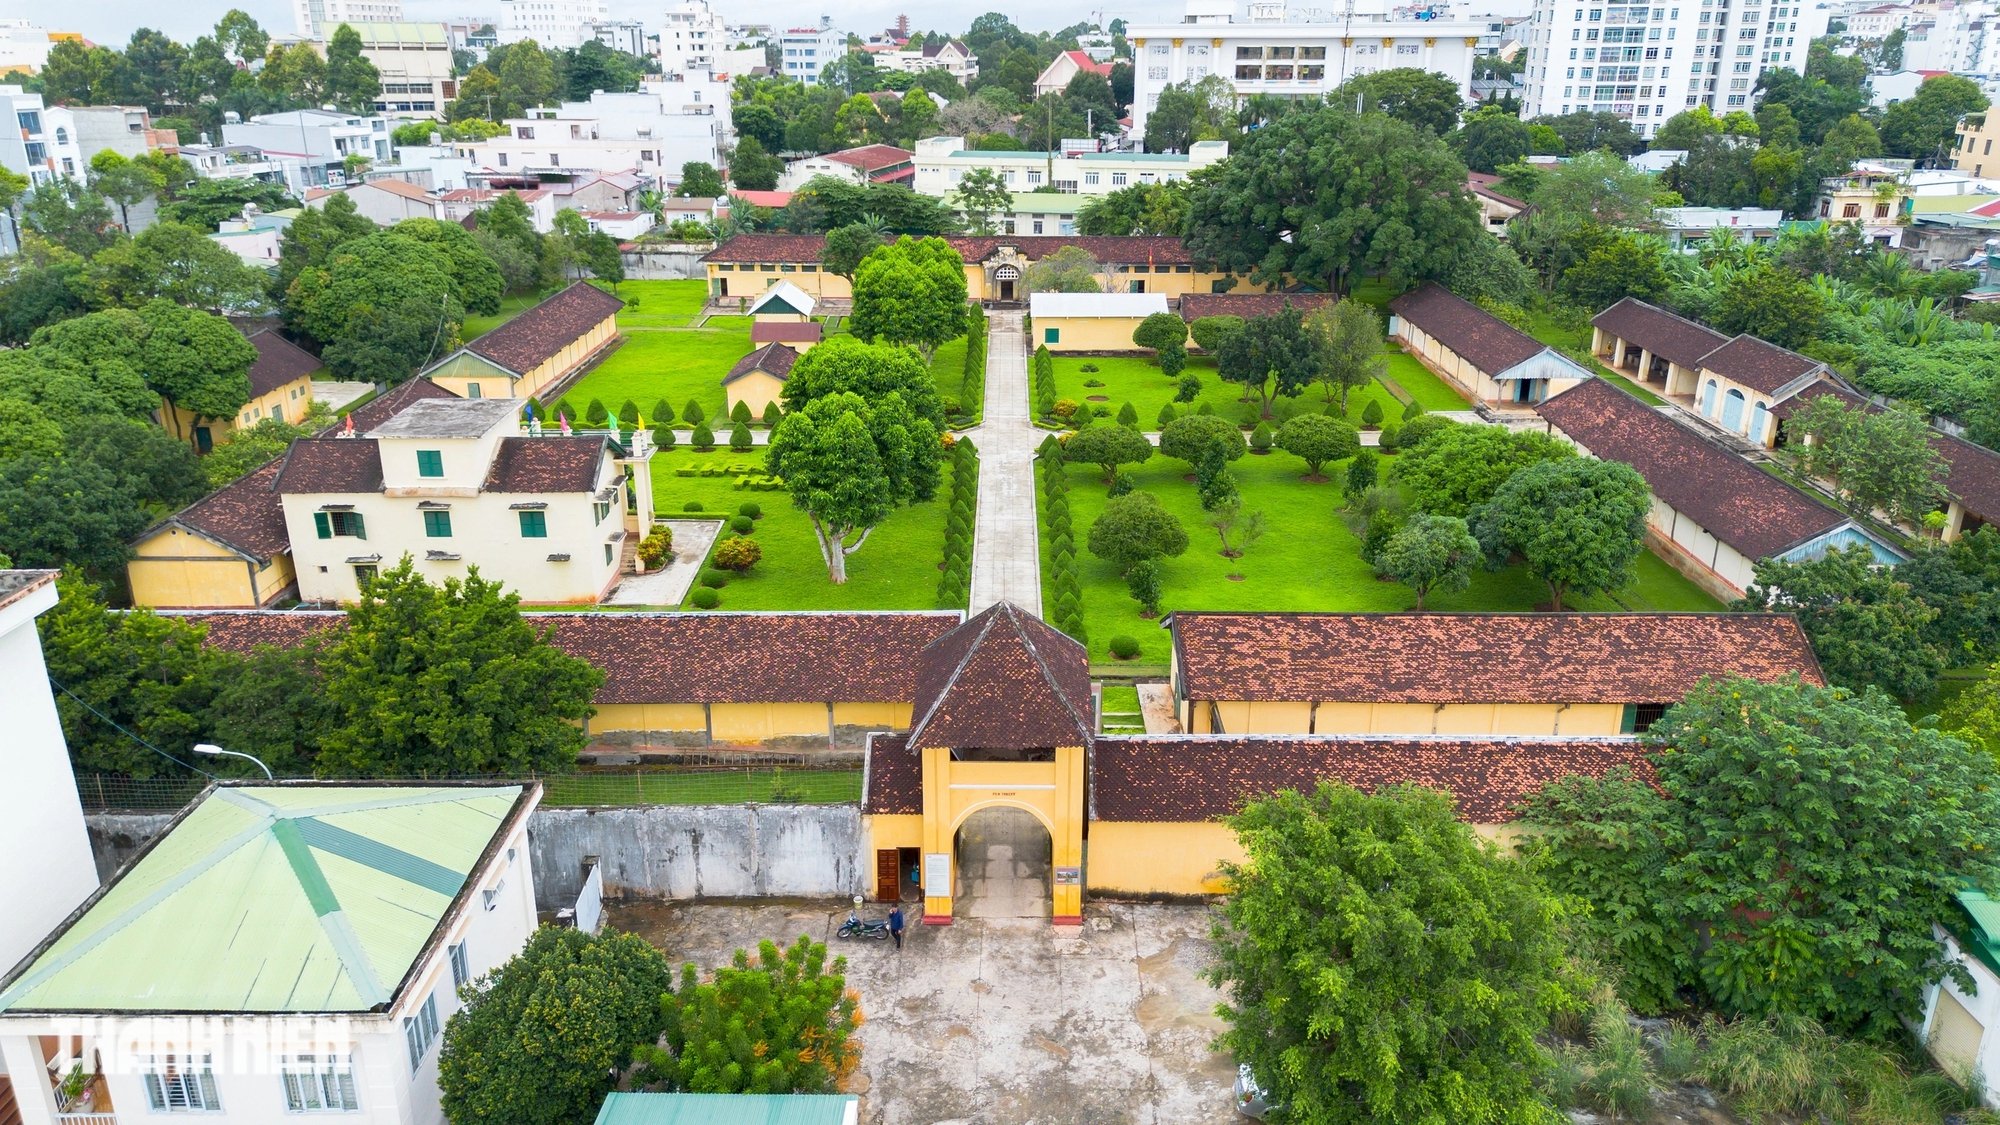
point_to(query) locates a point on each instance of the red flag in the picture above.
(564, 419)
(349, 428)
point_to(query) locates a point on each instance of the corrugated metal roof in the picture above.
(727, 1109)
(295, 898)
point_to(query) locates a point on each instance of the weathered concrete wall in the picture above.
(673, 261)
(655, 851)
(116, 837)
(698, 851)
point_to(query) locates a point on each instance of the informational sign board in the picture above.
(937, 874)
(1069, 876)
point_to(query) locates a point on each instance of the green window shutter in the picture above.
(360, 528)
(1051, 335)
(1628, 720)
(323, 525)
(430, 462)
(534, 525)
(437, 525)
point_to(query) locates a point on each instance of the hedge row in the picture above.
(1066, 588)
(954, 589)
(1044, 383)
(972, 390)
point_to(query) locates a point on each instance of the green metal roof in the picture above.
(292, 898)
(1979, 932)
(467, 362)
(725, 1109)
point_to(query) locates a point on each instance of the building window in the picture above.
(181, 1084)
(331, 524)
(534, 525)
(472, 391)
(430, 463)
(1640, 717)
(437, 525)
(460, 973)
(1051, 335)
(607, 561)
(363, 575)
(420, 1031)
(602, 510)
(319, 1083)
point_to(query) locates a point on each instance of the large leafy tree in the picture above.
(475, 279)
(1317, 439)
(1578, 523)
(780, 1023)
(196, 360)
(1270, 356)
(179, 263)
(1068, 270)
(844, 365)
(1159, 208)
(1921, 125)
(311, 238)
(1191, 437)
(983, 195)
(351, 80)
(1187, 112)
(383, 306)
(205, 203)
(1461, 467)
(847, 246)
(1346, 342)
(911, 291)
(1583, 131)
(1867, 626)
(1430, 553)
(1136, 528)
(1803, 843)
(1424, 99)
(1876, 459)
(445, 680)
(70, 215)
(540, 1040)
(1332, 196)
(1107, 447)
(1624, 265)
(1383, 964)
(752, 167)
(1491, 139)
(84, 366)
(123, 182)
(848, 462)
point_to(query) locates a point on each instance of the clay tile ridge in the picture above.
(1002, 680)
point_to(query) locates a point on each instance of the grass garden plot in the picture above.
(896, 569)
(675, 364)
(1136, 380)
(661, 304)
(1307, 560)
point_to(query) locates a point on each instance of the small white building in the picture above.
(1956, 1024)
(458, 203)
(1687, 228)
(621, 225)
(39, 141)
(941, 162)
(385, 202)
(454, 483)
(562, 24)
(868, 164)
(804, 52)
(1055, 77)
(312, 145)
(952, 57)
(281, 949)
(257, 237)
(656, 129)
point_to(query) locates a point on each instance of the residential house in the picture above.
(124, 129)
(1687, 229)
(994, 265)
(951, 56)
(280, 387)
(279, 949)
(1480, 675)
(45, 862)
(758, 379)
(654, 130)
(941, 162)
(703, 680)
(1495, 210)
(1714, 515)
(683, 209)
(454, 483)
(236, 162)
(1055, 77)
(804, 53)
(628, 36)
(39, 140)
(1871, 196)
(384, 202)
(621, 225)
(1972, 145)
(311, 146)
(729, 1109)
(1955, 1019)
(230, 548)
(869, 164)
(460, 204)
(536, 351)
(1482, 355)
(1091, 322)
(601, 191)
(24, 45)
(257, 237)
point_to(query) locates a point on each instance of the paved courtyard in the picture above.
(1005, 1020)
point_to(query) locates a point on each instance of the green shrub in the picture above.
(1088, 369)
(657, 545)
(1618, 1075)
(1173, 359)
(773, 414)
(1371, 414)
(737, 553)
(566, 410)
(739, 437)
(1260, 438)
(1123, 647)
(1204, 408)
(1392, 436)
(705, 597)
(1418, 430)
(1093, 382)
(692, 413)
(595, 414)
(704, 438)
(1168, 413)
(663, 436)
(692, 506)
(663, 414)
(1128, 415)
(1361, 473)
(714, 577)
(1121, 483)
(534, 409)
(628, 415)
(740, 414)
(1412, 409)
(742, 525)
(752, 509)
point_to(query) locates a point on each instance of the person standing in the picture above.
(896, 924)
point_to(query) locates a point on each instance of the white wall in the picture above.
(45, 863)
(1983, 1007)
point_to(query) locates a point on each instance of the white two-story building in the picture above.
(455, 483)
(941, 162)
(656, 129)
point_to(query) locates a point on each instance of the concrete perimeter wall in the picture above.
(655, 851)
(674, 261)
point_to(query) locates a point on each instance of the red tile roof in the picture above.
(871, 158)
(537, 335)
(400, 187)
(690, 657)
(1758, 365)
(1480, 657)
(1087, 64)
(1480, 338)
(1738, 503)
(278, 362)
(1972, 472)
(807, 332)
(547, 464)
(1673, 338)
(1194, 306)
(772, 359)
(330, 465)
(892, 776)
(1187, 779)
(771, 199)
(244, 515)
(1481, 183)
(1004, 680)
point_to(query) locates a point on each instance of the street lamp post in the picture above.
(214, 751)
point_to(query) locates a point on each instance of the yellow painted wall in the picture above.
(758, 388)
(1088, 333)
(534, 382)
(289, 402)
(895, 831)
(1133, 857)
(648, 717)
(1052, 791)
(755, 722)
(1352, 718)
(746, 281)
(177, 569)
(876, 716)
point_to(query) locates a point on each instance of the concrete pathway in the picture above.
(668, 585)
(1006, 556)
(1003, 866)
(1156, 705)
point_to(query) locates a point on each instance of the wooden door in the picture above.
(888, 876)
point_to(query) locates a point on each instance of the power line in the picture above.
(128, 734)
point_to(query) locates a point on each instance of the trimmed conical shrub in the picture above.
(693, 414)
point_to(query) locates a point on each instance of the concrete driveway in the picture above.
(1004, 1020)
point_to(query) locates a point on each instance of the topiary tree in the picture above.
(779, 1023)
(1260, 438)
(1371, 414)
(704, 438)
(1128, 415)
(1160, 331)
(1317, 439)
(534, 409)
(523, 1048)
(736, 553)
(693, 414)
(740, 413)
(1107, 447)
(705, 597)
(1190, 437)
(1214, 484)
(1167, 414)
(1135, 528)
(1123, 647)
(1411, 411)
(628, 415)
(773, 414)
(1188, 389)
(739, 437)
(1361, 473)
(663, 436)
(596, 414)
(1172, 359)
(663, 414)
(1142, 581)
(1210, 331)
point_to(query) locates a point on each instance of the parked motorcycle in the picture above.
(864, 929)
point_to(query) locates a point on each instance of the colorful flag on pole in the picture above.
(564, 419)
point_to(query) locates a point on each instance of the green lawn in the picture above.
(661, 304)
(1136, 380)
(1121, 710)
(948, 371)
(896, 569)
(702, 787)
(677, 364)
(1417, 381)
(1307, 560)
